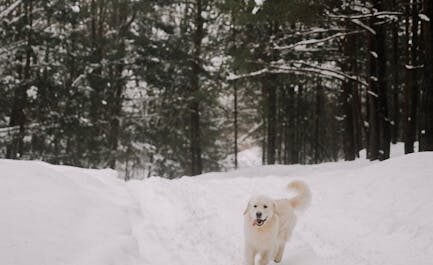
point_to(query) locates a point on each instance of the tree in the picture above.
(23, 73)
(154, 87)
(411, 89)
(426, 125)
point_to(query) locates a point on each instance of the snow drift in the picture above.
(63, 215)
(361, 213)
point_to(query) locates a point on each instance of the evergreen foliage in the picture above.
(155, 87)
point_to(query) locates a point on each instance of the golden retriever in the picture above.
(268, 224)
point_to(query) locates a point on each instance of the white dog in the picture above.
(268, 224)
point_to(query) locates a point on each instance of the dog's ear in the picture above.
(247, 208)
(275, 208)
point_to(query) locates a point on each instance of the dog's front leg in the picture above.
(265, 258)
(280, 252)
(249, 256)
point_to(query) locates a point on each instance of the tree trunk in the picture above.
(271, 117)
(294, 126)
(97, 84)
(349, 141)
(119, 22)
(300, 126)
(372, 94)
(379, 130)
(395, 132)
(358, 121)
(235, 123)
(383, 115)
(17, 116)
(318, 130)
(426, 126)
(195, 141)
(279, 124)
(411, 89)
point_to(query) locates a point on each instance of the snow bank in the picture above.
(63, 215)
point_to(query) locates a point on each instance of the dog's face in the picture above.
(259, 210)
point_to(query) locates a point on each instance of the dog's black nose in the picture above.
(258, 214)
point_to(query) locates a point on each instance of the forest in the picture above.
(173, 87)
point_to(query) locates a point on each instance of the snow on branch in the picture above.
(424, 17)
(316, 41)
(413, 67)
(233, 76)
(362, 25)
(314, 69)
(310, 32)
(376, 14)
(15, 129)
(8, 10)
(78, 80)
(300, 68)
(256, 127)
(6, 49)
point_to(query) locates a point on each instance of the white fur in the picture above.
(269, 239)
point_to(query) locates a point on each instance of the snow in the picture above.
(411, 67)
(364, 26)
(63, 215)
(424, 17)
(362, 213)
(255, 10)
(32, 92)
(7, 11)
(75, 9)
(251, 157)
(313, 41)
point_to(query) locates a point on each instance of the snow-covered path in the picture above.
(362, 213)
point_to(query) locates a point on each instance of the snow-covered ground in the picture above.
(52, 215)
(251, 157)
(361, 213)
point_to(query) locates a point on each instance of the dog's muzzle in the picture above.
(259, 222)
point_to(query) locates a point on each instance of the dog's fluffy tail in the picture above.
(303, 198)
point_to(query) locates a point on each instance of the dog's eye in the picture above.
(255, 206)
(265, 206)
